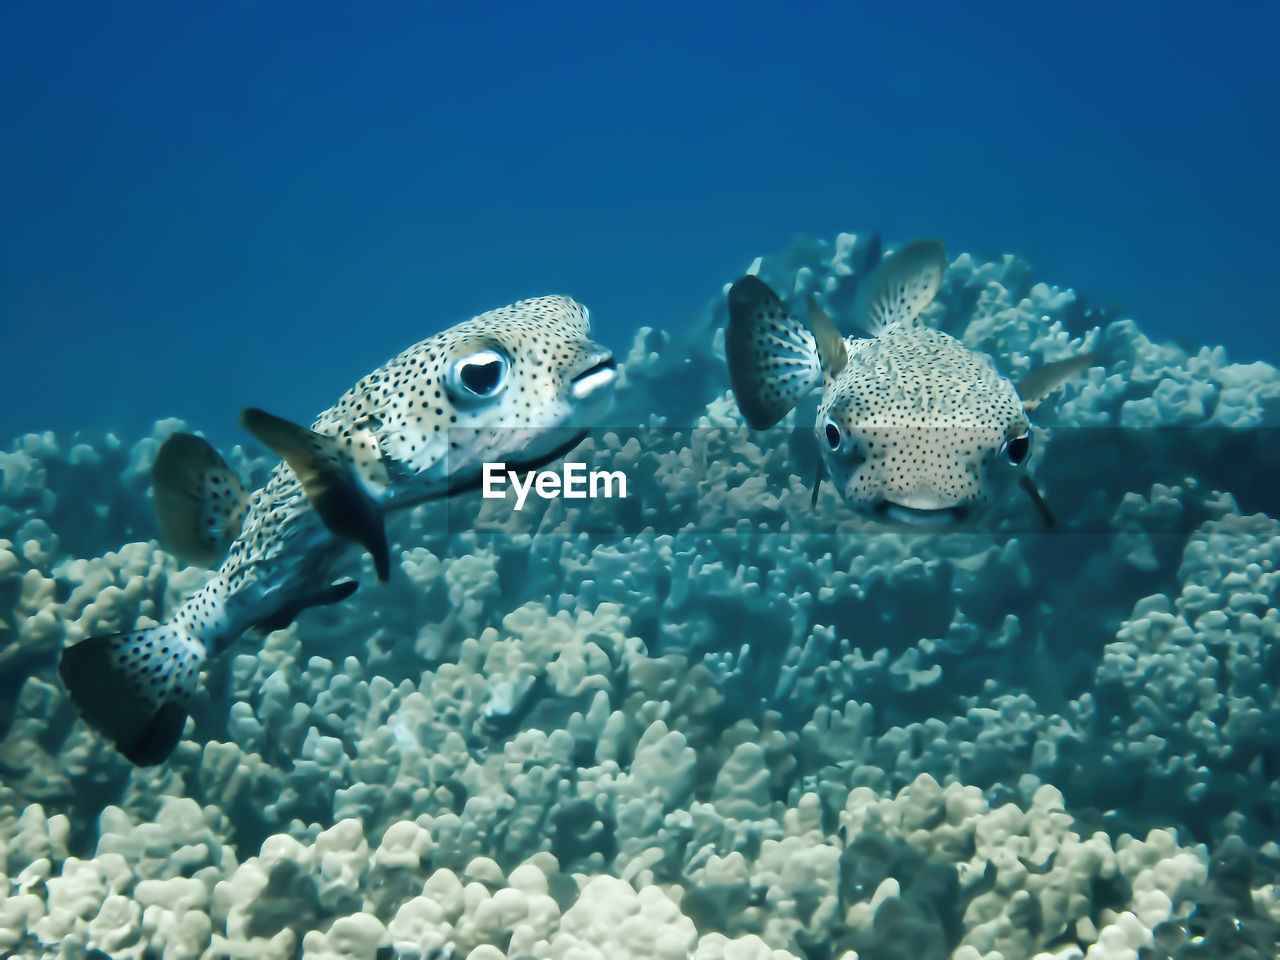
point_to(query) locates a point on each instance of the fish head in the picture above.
(519, 385)
(918, 429)
(531, 364)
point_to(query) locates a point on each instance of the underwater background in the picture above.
(208, 206)
(719, 722)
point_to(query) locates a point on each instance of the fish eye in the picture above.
(1017, 448)
(478, 376)
(832, 433)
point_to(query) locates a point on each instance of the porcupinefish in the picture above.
(519, 384)
(913, 426)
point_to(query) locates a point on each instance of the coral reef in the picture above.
(708, 721)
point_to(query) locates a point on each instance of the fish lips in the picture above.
(933, 517)
(599, 372)
(591, 389)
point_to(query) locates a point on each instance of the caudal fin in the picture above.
(133, 688)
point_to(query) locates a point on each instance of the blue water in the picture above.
(206, 206)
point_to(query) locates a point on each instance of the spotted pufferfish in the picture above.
(913, 426)
(520, 385)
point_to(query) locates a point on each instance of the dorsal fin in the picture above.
(1038, 384)
(901, 286)
(329, 480)
(198, 500)
(831, 347)
(773, 359)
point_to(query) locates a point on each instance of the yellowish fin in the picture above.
(328, 478)
(832, 351)
(199, 502)
(1034, 387)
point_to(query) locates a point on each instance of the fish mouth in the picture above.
(572, 437)
(922, 516)
(600, 375)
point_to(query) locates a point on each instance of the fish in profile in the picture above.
(913, 426)
(519, 384)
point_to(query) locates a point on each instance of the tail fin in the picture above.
(773, 359)
(133, 688)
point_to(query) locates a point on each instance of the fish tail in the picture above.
(133, 688)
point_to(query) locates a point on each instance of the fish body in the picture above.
(520, 385)
(919, 428)
(913, 426)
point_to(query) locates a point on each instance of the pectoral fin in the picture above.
(329, 480)
(1039, 384)
(334, 593)
(773, 359)
(1037, 498)
(198, 500)
(831, 346)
